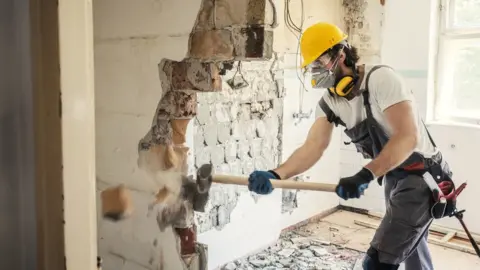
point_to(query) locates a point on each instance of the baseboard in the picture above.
(353, 209)
(315, 218)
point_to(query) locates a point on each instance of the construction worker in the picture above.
(379, 114)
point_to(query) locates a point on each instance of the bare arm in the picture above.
(310, 152)
(402, 142)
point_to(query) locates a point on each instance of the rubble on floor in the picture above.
(298, 252)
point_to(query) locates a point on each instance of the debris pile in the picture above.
(296, 252)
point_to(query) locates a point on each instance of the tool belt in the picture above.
(438, 177)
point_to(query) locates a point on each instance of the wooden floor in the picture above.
(340, 228)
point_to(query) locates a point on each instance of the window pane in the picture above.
(466, 79)
(466, 13)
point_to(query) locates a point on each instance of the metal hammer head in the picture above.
(194, 196)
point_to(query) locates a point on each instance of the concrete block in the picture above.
(230, 151)
(198, 138)
(251, 43)
(202, 156)
(261, 128)
(234, 110)
(222, 113)
(190, 74)
(248, 166)
(217, 155)
(272, 125)
(256, 147)
(203, 114)
(222, 169)
(238, 131)
(245, 112)
(267, 147)
(224, 130)
(211, 134)
(250, 129)
(243, 148)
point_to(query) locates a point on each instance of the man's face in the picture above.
(325, 70)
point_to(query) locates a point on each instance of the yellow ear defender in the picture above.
(344, 86)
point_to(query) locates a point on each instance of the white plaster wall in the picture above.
(407, 46)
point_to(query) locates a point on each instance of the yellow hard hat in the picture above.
(317, 39)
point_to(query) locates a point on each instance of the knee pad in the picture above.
(371, 262)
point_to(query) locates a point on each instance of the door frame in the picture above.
(62, 58)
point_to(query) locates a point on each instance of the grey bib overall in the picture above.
(401, 236)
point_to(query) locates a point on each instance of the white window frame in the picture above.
(450, 38)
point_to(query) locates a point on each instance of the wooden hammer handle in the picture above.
(284, 184)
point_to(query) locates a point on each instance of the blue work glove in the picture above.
(354, 186)
(259, 181)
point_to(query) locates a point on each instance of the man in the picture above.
(379, 113)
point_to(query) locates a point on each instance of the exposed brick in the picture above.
(213, 45)
(239, 12)
(253, 43)
(188, 237)
(250, 43)
(190, 74)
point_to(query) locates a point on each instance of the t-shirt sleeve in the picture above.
(388, 88)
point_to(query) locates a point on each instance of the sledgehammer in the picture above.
(283, 184)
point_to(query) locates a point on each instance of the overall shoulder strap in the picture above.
(331, 117)
(369, 109)
(366, 94)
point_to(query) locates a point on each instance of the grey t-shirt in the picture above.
(386, 88)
